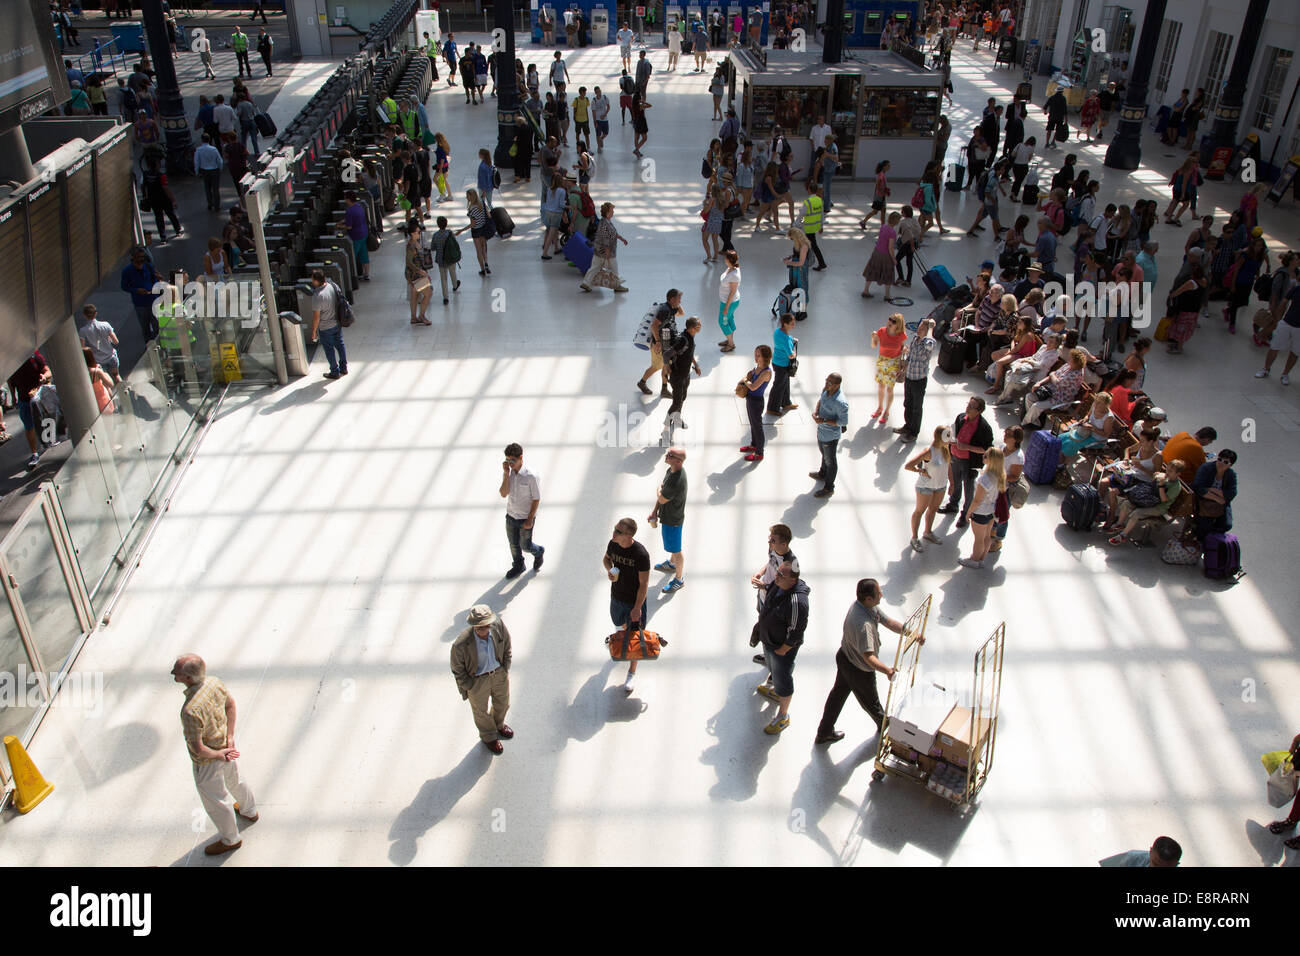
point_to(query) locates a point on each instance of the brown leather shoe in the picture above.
(218, 848)
(253, 819)
(494, 746)
(505, 732)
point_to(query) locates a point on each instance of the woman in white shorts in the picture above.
(932, 466)
(991, 482)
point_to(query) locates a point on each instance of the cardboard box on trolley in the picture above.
(957, 738)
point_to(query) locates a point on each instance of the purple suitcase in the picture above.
(1042, 457)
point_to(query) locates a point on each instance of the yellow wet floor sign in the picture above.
(230, 362)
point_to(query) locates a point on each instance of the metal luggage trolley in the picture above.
(958, 785)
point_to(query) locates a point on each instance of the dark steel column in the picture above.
(833, 38)
(507, 91)
(1228, 112)
(1125, 150)
(171, 106)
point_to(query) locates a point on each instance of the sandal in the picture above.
(1280, 826)
(1292, 844)
(1118, 539)
(867, 295)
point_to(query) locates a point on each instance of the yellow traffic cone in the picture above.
(31, 787)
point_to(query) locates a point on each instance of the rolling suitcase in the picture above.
(578, 251)
(958, 178)
(1080, 507)
(939, 281)
(1222, 556)
(265, 125)
(952, 353)
(502, 221)
(1042, 456)
(1029, 194)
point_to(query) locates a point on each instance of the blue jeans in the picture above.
(331, 341)
(521, 540)
(247, 130)
(830, 466)
(826, 190)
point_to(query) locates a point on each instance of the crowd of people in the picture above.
(1029, 348)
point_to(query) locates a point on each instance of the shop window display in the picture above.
(794, 109)
(898, 112)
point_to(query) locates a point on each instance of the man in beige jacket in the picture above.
(480, 662)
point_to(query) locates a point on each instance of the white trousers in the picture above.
(220, 788)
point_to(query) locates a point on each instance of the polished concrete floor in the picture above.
(329, 538)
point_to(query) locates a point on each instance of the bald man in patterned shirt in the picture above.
(208, 722)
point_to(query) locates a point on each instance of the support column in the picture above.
(1228, 112)
(507, 91)
(171, 106)
(62, 350)
(1125, 150)
(833, 38)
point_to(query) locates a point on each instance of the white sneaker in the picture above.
(916, 545)
(1262, 373)
(1285, 379)
(968, 563)
(629, 683)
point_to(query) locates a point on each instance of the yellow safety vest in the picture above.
(812, 214)
(389, 106)
(240, 42)
(169, 329)
(410, 123)
(431, 49)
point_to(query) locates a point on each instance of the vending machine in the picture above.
(600, 32)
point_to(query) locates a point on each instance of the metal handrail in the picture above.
(106, 51)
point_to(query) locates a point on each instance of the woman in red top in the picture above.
(1124, 396)
(889, 339)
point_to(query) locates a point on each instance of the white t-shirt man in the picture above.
(624, 38)
(559, 72)
(224, 116)
(600, 107)
(524, 490)
(818, 136)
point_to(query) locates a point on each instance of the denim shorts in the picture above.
(672, 535)
(981, 519)
(621, 614)
(782, 668)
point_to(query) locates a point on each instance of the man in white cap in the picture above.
(480, 662)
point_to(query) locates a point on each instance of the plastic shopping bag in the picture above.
(1282, 785)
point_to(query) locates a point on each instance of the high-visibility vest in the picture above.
(389, 106)
(431, 49)
(410, 122)
(812, 214)
(240, 42)
(169, 336)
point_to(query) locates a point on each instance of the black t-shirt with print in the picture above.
(630, 563)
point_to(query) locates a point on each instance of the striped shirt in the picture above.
(203, 717)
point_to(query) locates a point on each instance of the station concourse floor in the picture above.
(325, 545)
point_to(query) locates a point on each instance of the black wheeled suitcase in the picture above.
(502, 221)
(952, 353)
(958, 178)
(1080, 507)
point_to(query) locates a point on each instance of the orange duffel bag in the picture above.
(638, 645)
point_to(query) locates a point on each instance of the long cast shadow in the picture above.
(435, 801)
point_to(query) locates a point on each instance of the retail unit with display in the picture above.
(879, 105)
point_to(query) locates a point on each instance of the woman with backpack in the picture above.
(488, 178)
(1250, 263)
(446, 253)
(480, 226)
